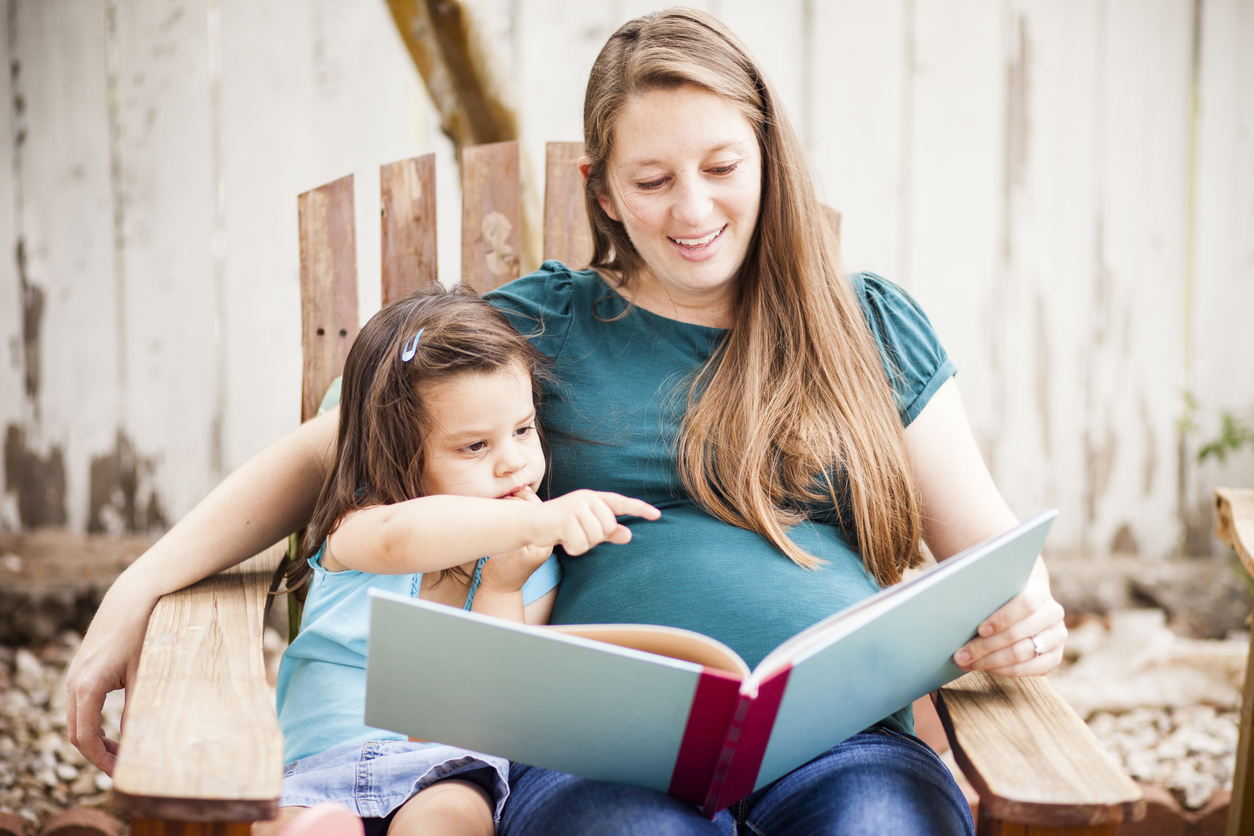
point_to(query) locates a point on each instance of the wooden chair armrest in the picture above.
(1234, 522)
(200, 741)
(1030, 757)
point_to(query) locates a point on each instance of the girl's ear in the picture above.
(607, 205)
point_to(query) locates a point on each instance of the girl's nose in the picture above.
(513, 459)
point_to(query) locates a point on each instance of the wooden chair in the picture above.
(1234, 525)
(201, 752)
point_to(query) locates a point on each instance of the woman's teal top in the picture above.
(612, 417)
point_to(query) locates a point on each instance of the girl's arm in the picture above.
(432, 533)
(962, 507)
(268, 497)
(503, 575)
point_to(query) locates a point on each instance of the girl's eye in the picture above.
(523, 432)
(476, 447)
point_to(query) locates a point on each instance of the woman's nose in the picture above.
(692, 201)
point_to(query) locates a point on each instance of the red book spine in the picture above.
(741, 757)
(708, 719)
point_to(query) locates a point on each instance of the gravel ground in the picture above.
(1188, 749)
(41, 773)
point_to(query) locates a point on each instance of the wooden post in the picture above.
(409, 250)
(566, 235)
(156, 827)
(491, 215)
(1234, 525)
(328, 278)
(470, 90)
(201, 752)
(1032, 760)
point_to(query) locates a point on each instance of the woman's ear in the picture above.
(607, 205)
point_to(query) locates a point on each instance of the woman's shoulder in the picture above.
(891, 311)
(914, 359)
(552, 290)
(542, 304)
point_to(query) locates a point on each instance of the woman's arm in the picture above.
(961, 507)
(268, 497)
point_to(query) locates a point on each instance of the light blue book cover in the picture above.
(701, 727)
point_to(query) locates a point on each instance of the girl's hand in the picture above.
(1023, 638)
(583, 519)
(509, 571)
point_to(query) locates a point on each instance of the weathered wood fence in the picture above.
(1066, 185)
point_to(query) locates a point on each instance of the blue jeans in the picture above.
(877, 782)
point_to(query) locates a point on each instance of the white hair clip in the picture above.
(407, 353)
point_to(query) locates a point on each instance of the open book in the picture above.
(670, 709)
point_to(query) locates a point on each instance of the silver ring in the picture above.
(1036, 645)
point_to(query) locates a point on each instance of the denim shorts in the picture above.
(374, 779)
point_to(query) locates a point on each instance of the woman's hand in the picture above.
(961, 507)
(268, 496)
(1023, 638)
(106, 661)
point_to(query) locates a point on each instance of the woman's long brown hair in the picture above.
(380, 454)
(795, 408)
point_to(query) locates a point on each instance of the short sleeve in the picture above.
(539, 305)
(913, 357)
(332, 398)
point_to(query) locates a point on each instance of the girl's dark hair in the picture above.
(380, 454)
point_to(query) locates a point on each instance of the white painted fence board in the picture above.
(1137, 338)
(1223, 277)
(166, 184)
(858, 115)
(1060, 215)
(66, 229)
(772, 33)
(955, 200)
(11, 363)
(311, 92)
(551, 81)
(1043, 331)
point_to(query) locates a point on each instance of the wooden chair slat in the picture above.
(201, 741)
(1234, 525)
(328, 279)
(491, 215)
(407, 190)
(566, 235)
(1030, 757)
(1234, 522)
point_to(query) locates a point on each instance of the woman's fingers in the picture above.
(83, 709)
(1026, 636)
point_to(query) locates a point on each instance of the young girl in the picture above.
(437, 464)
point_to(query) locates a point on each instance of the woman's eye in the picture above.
(725, 169)
(651, 185)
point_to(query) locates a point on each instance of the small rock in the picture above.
(66, 772)
(29, 672)
(84, 784)
(103, 782)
